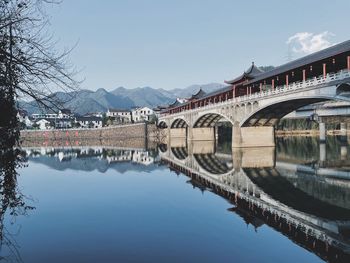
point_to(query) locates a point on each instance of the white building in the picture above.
(121, 115)
(43, 124)
(142, 157)
(61, 120)
(24, 119)
(119, 156)
(63, 123)
(141, 114)
(62, 114)
(89, 122)
(158, 110)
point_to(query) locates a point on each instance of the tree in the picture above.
(30, 68)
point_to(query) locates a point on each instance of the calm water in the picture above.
(185, 203)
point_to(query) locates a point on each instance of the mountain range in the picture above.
(88, 101)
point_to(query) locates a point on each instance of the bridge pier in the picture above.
(253, 157)
(178, 142)
(201, 134)
(168, 137)
(343, 152)
(323, 153)
(202, 147)
(322, 128)
(178, 133)
(253, 136)
(343, 129)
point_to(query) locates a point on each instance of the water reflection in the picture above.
(97, 158)
(301, 189)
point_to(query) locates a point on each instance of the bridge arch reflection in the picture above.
(180, 153)
(264, 190)
(213, 164)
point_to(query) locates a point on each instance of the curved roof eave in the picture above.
(309, 59)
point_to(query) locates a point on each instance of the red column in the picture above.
(273, 84)
(287, 80)
(304, 74)
(324, 70)
(260, 87)
(348, 62)
(247, 90)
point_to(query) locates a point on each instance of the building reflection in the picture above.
(295, 192)
(102, 157)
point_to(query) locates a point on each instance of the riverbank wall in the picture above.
(138, 135)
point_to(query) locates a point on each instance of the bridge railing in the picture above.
(340, 75)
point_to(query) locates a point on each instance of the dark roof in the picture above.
(201, 93)
(317, 56)
(216, 92)
(250, 73)
(66, 111)
(175, 103)
(158, 108)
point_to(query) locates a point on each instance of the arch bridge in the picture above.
(255, 101)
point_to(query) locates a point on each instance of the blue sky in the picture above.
(173, 44)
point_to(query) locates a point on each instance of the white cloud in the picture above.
(306, 43)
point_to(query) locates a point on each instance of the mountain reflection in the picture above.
(303, 194)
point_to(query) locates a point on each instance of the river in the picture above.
(202, 202)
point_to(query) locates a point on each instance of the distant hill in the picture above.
(85, 101)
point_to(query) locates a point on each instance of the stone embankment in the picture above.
(136, 135)
(282, 133)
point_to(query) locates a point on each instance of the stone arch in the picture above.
(270, 114)
(162, 125)
(343, 89)
(209, 120)
(179, 123)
